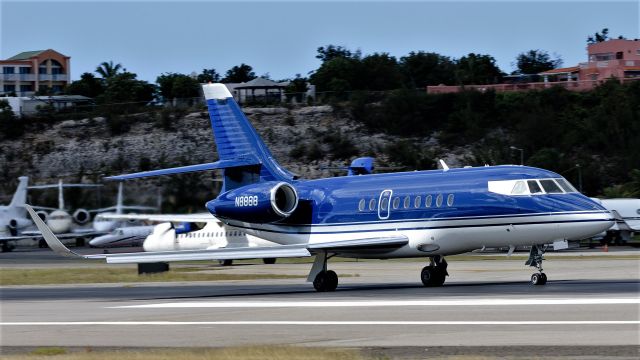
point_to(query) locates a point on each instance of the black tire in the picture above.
(269, 261)
(6, 247)
(543, 278)
(79, 242)
(42, 244)
(432, 277)
(325, 281)
(226, 262)
(332, 280)
(536, 279)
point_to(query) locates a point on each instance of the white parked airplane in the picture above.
(123, 236)
(627, 215)
(192, 232)
(103, 223)
(13, 217)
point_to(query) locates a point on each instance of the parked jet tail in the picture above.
(244, 157)
(20, 196)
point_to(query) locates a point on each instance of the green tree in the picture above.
(11, 126)
(599, 37)
(88, 85)
(108, 69)
(172, 86)
(339, 74)
(239, 73)
(208, 75)
(477, 69)
(297, 88)
(424, 68)
(380, 71)
(535, 61)
(125, 87)
(330, 52)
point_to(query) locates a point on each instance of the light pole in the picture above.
(521, 153)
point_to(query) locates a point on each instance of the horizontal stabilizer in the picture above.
(51, 239)
(220, 164)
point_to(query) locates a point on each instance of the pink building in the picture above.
(613, 58)
(617, 58)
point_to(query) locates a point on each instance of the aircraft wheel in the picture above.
(431, 277)
(42, 244)
(226, 262)
(538, 279)
(543, 278)
(326, 281)
(6, 247)
(269, 261)
(80, 242)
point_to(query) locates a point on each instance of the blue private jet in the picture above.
(428, 214)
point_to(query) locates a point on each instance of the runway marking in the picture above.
(308, 323)
(382, 303)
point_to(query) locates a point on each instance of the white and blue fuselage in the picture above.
(440, 212)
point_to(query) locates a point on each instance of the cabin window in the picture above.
(534, 188)
(520, 188)
(372, 204)
(439, 200)
(565, 185)
(428, 200)
(550, 186)
(384, 204)
(361, 205)
(396, 203)
(417, 202)
(450, 200)
(407, 202)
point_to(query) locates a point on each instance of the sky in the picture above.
(281, 38)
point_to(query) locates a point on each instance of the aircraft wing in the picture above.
(280, 251)
(200, 217)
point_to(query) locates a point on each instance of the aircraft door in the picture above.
(384, 204)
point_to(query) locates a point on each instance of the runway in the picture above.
(588, 302)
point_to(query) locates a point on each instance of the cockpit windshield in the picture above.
(531, 186)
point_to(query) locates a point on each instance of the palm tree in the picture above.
(108, 69)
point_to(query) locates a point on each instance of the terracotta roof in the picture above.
(631, 68)
(561, 70)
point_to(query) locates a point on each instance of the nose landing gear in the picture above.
(535, 260)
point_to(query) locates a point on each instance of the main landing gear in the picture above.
(323, 280)
(435, 273)
(535, 259)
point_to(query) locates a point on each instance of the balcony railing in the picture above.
(32, 77)
(18, 77)
(53, 77)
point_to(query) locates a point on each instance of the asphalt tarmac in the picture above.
(589, 303)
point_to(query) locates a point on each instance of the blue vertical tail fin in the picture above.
(236, 139)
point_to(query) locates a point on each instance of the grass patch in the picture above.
(118, 275)
(48, 351)
(237, 353)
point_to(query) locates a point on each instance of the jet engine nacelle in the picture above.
(81, 216)
(43, 215)
(161, 239)
(15, 224)
(258, 203)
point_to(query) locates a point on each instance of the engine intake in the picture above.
(16, 224)
(258, 203)
(81, 216)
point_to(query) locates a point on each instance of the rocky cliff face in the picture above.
(306, 140)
